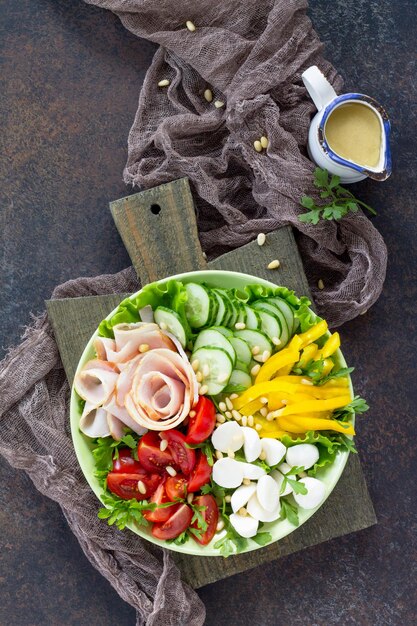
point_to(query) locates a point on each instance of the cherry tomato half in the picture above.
(202, 424)
(201, 473)
(151, 457)
(175, 525)
(160, 497)
(176, 488)
(126, 485)
(184, 457)
(125, 462)
(211, 516)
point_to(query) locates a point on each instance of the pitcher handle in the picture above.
(319, 88)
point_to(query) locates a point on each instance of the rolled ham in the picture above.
(96, 382)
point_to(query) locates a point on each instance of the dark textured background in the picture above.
(70, 78)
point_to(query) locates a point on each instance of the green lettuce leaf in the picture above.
(170, 294)
(328, 445)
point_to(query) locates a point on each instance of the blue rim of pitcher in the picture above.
(382, 175)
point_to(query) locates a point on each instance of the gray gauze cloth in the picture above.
(251, 55)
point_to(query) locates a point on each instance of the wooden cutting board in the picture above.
(158, 228)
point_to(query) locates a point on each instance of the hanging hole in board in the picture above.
(155, 209)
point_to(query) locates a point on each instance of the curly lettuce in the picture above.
(328, 445)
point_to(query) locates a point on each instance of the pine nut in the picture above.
(240, 326)
(258, 427)
(222, 406)
(256, 350)
(228, 498)
(262, 456)
(261, 238)
(258, 357)
(164, 83)
(273, 264)
(250, 421)
(206, 370)
(255, 370)
(203, 390)
(320, 284)
(230, 454)
(163, 445)
(233, 396)
(244, 420)
(302, 474)
(219, 455)
(221, 418)
(171, 470)
(264, 141)
(141, 487)
(228, 414)
(208, 95)
(220, 525)
(144, 347)
(195, 364)
(270, 417)
(265, 355)
(236, 415)
(190, 498)
(199, 376)
(264, 399)
(192, 413)
(263, 411)
(364, 312)
(257, 145)
(304, 381)
(219, 104)
(229, 404)
(276, 341)
(189, 24)
(243, 512)
(246, 481)
(163, 326)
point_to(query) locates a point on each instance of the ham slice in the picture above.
(127, 340)
(93, 422)
(96, 382)
(115, 412)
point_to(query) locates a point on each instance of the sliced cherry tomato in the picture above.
(202, 424)
(126, 485)
(125, 462)
(175, 525)
(160, 497)
(201, 473)
(211, 516)
(151, 457)
(184, 457)
(176, 487)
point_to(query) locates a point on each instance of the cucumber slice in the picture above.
(219, 365)
(221, 308)
(227, 306)
(270, 325)
(243, 353)
(252, 318)
(199, 306)
(215, 339)
(173, 323)
(242, 312)
(223, 330)
(239, 378)
(255, 338)
(263, 307)
(240, 365)
(287, 312)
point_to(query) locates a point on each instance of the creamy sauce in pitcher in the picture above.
(353, 131)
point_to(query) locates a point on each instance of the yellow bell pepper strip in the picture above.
(278, 399)
(328, 365)
(307, 355)
(295, 344)
(295, 423)
(263, 389)
(251, 408)
(313, 333)
(274, 363)
(314, 391)
(331, 345)
(314, 405)
(336, 382)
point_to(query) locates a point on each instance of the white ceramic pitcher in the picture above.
(326, 101)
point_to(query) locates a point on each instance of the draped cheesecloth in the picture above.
(251, 55)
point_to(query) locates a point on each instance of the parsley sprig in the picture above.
(339, 201)
(314, 371)
(106, 449)
(292, 482)
(358, 405)
(124, 512)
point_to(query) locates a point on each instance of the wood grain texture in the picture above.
(153, 245)
(159, 230)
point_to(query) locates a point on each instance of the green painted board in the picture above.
(163, 219)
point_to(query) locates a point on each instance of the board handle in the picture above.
(159, 229)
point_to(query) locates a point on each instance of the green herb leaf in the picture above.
(289, 511)
(262, 538)
(358, 405)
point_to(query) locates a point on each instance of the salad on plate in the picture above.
(214, 413)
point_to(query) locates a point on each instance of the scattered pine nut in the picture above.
(141, 487)
(230, 454)
(171, 470)
(256, 350)
(199, 376)
(236, 415)
(220, 525)
(233, 396)
(276, 341)
(163, 326)
(244, 420)
(192, 413)
(219, 104)
(257, 145)
(228, 414)
(219, 455)
(206, 370)
(203, 390)
(250, 421)
(258, 358)
(270, 417)
(246, 481)
(269, 414)
(263, 399)
(261, 238)
(221, 418)
(262, 456)
(190, 498)
(229, 403)
(222, 406)
(273, 265)
(208, 95)
(255, 370)
(144, 347)
(302, 474)
(258, 427)
(263, 411)
(195, 364)
(264, 142)
(265, 356)
(304, 381)
(243, 512)
(164, 82)
(228, 498)
(240, 326)
(320, 284)
(189, 24)
(163, 445)
(363, 312)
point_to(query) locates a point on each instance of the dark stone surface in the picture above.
(70, 78)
